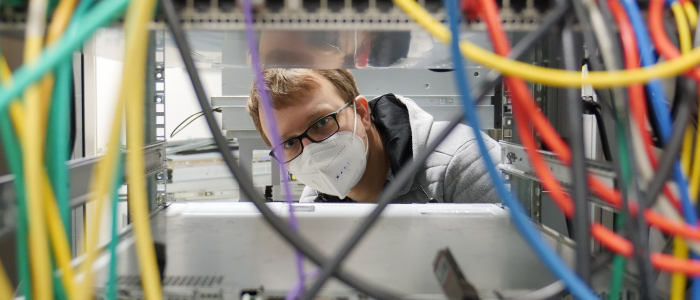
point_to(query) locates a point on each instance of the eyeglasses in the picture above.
(319, 131)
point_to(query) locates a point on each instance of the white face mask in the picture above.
(333, 166)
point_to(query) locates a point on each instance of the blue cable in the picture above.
(577, 287)
(658, 100)
(662, 116)
(646, 51)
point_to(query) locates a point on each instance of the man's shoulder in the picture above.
(461, 137)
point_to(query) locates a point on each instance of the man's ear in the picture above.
(363, 111)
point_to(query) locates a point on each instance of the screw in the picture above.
(159, 176)
(509, 122)
(506, 176)
(537, 191)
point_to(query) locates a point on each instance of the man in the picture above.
(347, 149)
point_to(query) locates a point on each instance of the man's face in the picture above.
(293, 120)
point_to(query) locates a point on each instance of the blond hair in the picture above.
(289, 86)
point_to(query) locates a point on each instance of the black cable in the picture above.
(579, 192)
(406, 173)
(197, 114)
(673, 147)
(638, 231)
(669, 156)
(523, 46)
(242, 176)
(603, 134)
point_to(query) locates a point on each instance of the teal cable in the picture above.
(112, 281)
(101, 15)
(58, 142)
(78, 16)
(13, 155)
(59, 289)
(619, 261)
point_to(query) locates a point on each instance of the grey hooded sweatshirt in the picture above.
(453, 173)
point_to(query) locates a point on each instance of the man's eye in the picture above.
(323, 122)
(289, 143)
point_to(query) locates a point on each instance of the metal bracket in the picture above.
(81, 173)
(515, 162)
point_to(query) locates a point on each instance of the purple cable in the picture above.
(299, 286)
(272, 124)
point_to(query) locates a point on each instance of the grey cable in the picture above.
(579, 192)
(637, 230)
(406, 174)
(674, 145)
(554, 289)
(521, 48)
(245, 182)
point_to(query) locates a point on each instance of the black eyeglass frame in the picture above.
(305, 134)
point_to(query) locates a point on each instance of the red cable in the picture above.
(661, 41)
(549, 182)
(663, 262)
(668, 226)
(522, 101)
(524, 113)
(671, 264)
(612, 240)
(636, 91)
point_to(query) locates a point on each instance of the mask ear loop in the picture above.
(354, 108)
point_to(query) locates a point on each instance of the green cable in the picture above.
(619, 261)
(112, 281)
(13, 156)
(618, 268)
(50, 8)
(58, 142)
(59, 289)
(102, 14)
(14, 159)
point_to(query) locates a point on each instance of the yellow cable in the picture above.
(38, 237)
(553, 77)
(695, 170)
(133, 88)
(678, 280)
(686, 46)
(683, 31)
(687, 152)
(6, 290)
(59, 21)
(99, 188)
(680, 249)
(53, 218)
(691, 12)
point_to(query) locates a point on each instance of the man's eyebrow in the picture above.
(315, 113)
(312, 116)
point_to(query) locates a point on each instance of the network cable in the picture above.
(275, 138)
(575, 285)
(32, 160)
(387, 195)
(241, 175)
